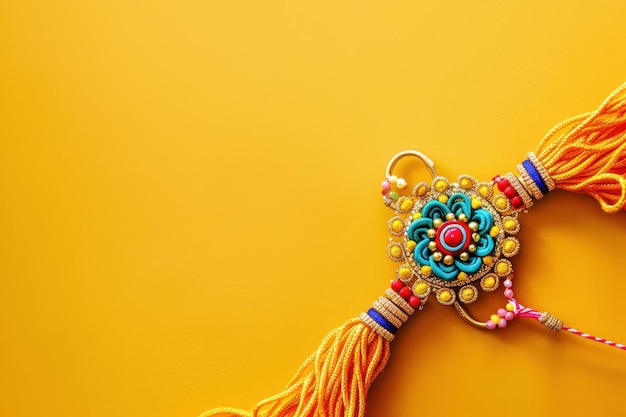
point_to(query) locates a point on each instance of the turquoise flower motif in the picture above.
(452, 238)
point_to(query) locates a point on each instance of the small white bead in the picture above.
(401, 183)
(393, 179)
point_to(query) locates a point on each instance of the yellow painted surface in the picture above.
(190, 200)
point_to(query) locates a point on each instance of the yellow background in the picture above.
(189, 199)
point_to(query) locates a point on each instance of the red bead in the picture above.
(517, 202)
(453, 237)
(384, 192)
(503, 183)
(414, 301)
(405, 293)
(510, 192)
(397, 285)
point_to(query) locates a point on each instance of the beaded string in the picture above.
(553, 323)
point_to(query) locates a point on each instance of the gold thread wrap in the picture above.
(528, 182)
(550, 321)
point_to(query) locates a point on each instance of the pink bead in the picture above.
(508, 293)
(501, 312)
(508, 283)
(385, 185)
(509, 315)
(490, 325)
(502, 323)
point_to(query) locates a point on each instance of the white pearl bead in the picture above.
(401, 183)
(393, 179)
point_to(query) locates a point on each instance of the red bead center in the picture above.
(453, 237)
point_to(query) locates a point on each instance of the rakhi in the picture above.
(452, 240)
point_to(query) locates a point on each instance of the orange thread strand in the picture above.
(587, 153)
(332, 382)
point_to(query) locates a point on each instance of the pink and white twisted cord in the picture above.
(521, 311)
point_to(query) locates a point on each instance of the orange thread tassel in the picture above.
(587, 153)
(332, 382)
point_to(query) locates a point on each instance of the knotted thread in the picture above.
(587, 153)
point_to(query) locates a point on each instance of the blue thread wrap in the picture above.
(535, 176)
(378, 318)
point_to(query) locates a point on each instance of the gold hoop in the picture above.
(396, 158)
(467, 317)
